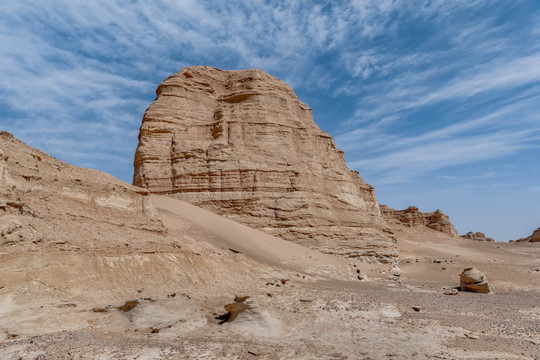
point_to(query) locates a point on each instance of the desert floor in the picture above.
(152, 304)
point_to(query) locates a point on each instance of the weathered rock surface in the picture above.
(476, 236)
(242, 145)
(473, 280)
(535, 237)
(45, 202)
(411, 216)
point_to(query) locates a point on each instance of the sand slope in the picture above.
(261, 247)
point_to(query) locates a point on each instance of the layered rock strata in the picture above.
(476, 236)
(411, 216)
(44, 202)
(242, 145)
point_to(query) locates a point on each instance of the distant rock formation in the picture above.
(242, 145)
(535, 237)
(411, 216)
(476, 236)
(44, 202)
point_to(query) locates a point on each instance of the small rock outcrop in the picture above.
(239, 305)
(476, 236)
(241, 144)
(245, 316)
(473, 280)
(535, 237)
(44, 201)
(411, 216)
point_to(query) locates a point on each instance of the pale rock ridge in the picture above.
(534, 237)
(411, 216)
(40, 196)
(242, 145)
(476, 236)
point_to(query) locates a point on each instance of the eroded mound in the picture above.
(44, 202)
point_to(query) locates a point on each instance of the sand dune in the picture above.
(261, 247)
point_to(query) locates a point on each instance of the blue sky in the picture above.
(435, 103)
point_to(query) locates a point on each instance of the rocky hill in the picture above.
(241, 144)
(43, 201)
(477, 236)
(411, 216)
(534, 237)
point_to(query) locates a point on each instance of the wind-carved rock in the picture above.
(473, 280)
(411, 216)
(242, 145)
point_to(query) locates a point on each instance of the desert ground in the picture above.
(162, 302)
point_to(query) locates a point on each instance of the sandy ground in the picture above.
(303, 305)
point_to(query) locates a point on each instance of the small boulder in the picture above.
(451, 292)
(473, 280)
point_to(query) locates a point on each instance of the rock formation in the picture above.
(242, 145)
(44, 202)
(411, 216)
(473, 280)
(535, 237)
(476, 236)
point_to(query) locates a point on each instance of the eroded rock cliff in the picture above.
(411, 216)
(242, 145)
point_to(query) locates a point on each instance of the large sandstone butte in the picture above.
(435, 220)
(242, 145)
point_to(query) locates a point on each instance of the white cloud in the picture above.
(426, 158)
(77, 68)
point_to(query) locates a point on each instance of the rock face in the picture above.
(242, 145)
(535, 237)
(473, 280)
(476, 236)
(411, 216)
(44, 201)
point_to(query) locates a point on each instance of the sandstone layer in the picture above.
(411, 216)
(241, 144)
(476, 236)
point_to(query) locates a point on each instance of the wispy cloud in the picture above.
(391, 157)
(427, 157)
(73, 70)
